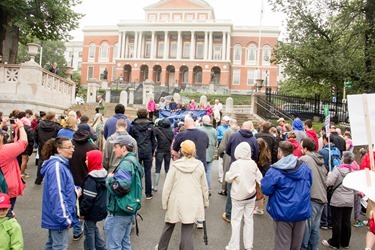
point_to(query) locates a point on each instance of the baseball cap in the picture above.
(281, 120)
(123, 140)
(4, 201)
(226, 118)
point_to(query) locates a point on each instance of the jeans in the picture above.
(242, 210)
(77, 229)
(208, 175)
(228, 205)
(117, 230)
(93, 239)
(146, 161)
(312, 231)
(325, 220)
(57, 239)
(160, 156)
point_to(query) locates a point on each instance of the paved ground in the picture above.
(28, 210)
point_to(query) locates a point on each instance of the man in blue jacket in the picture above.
(110, 125)
(288, 183)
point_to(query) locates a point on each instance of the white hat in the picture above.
(281, 120)
(226, 118)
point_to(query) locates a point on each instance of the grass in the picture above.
(237, 99)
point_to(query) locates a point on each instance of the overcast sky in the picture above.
(109, 12)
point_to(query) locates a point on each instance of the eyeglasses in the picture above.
(70, 147)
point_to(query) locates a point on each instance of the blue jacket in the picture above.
(242, 135)
(325, 153)
(59, 195)
(110, 125)
(288, 183)
(220, 131)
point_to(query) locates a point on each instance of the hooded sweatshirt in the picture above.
(243, 174)
(315, 161)
(93, 200)
(288, 183)
(297, 151)
(110, 125)
(342, 196)
(298, 129)
(243, 135)
(313, 135)
(185, 192)
(143, 133)
(164, 136)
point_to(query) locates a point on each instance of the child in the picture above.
(93, 200)
(243, 174)
(10, 230)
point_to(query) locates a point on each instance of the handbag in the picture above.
(259, 193)
(330, 191)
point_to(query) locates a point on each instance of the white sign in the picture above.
(358, 119)
(327, 123)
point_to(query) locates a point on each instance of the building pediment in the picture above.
(179, 4)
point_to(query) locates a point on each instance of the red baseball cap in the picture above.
(4, 201)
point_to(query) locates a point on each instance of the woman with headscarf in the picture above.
(185, 196)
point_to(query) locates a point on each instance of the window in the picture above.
(80, 54)
(90, 72)
(79, 65)
(158, 75)
(173, 50)
(236, 77)
(199, 51)
(102, 68)
(237, 54)
(115, 51)
(217, 53)
(164, 18)
(104, 51)
(186, 50)
(189, 17)
(265, 77)
(148, 49)
(151, 18)
(250, 77)
(202, 18)
(113, 73)
(198, 76)
(70, 54)
(160, 50)
(177, 18)
(185, 76)
(251, 55)
(266, 58)
(92, 50)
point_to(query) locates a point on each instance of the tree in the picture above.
(24, 20)
(325, 45)
(53, 51)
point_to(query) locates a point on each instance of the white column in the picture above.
(126, 49)
(210, 47)
(124, 36)
(223, 47)
(228, 45)
(119, 44)
(152, 56)
(179, 45)
(205, 45)
(140, 44)
(136, 34)
(192, 46)
(165, 55)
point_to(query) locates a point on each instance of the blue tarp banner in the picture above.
(180, 114)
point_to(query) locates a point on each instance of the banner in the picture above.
(180, 114)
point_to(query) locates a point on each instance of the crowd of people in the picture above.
(87, 169)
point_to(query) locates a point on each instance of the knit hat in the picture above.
(188, 147)
(4, 201)
(84, 126)
(94, 160)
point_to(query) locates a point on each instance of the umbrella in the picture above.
(362, 181)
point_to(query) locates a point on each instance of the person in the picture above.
(342, 203)
(46, 130)
(162, 104)
(185, 196)
(292, 138)
(85, 120)
(218, 107)
(348, 142)
(337, 139)
(23, 159)
(118, 224)
(8, 160)
(172, 105)
(54, 69)
(164, 137)
(311, 133)
(282, 124)
(289, 210)
(92, 203)
(192, 105)
(97, 127)
(264, 163)
(101, 105)
(298, 129)
(209, 109)
(69, 129)
(151, 108)
(220, 130)
(212, 138)
(243, 135)
(10, 230)
(143, 132)
(59, 193)
(272, 144)
(110, 125)
(318, 193)
(105, 74)
(243, 174)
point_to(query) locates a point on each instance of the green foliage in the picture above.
(237, 99)
(324, 46)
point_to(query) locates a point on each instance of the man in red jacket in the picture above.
(311, 133)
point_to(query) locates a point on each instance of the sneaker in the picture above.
(79, 236)
(38, 182)
(326, 243)
(324, 227)
(157, 247)
(258, 211)
(149, 197)
(358, 223)
(224, 216)
(25, 176)
(199, 225)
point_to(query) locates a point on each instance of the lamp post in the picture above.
(258, 84)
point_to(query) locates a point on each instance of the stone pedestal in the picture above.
(229, 106)
(92, 89)
(203, 100)
(124, 98)
(108, 95)
(211, 88)
(104, 84)
(131, 96)
(254, 100)
(148, 91)
(177, 97)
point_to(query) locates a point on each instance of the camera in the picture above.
(12, 121)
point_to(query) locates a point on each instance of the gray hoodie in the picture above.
(315, 161)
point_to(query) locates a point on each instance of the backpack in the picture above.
(335, 157)
(130, 202)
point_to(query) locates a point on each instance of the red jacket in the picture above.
(365, 163)
(297, 151)
(313, 135)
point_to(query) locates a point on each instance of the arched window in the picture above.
(266, 54)
(92, 50)
(237, 54)
(115, 51)
(251, 55)
(104, 51)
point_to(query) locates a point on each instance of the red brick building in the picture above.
(180, 42)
